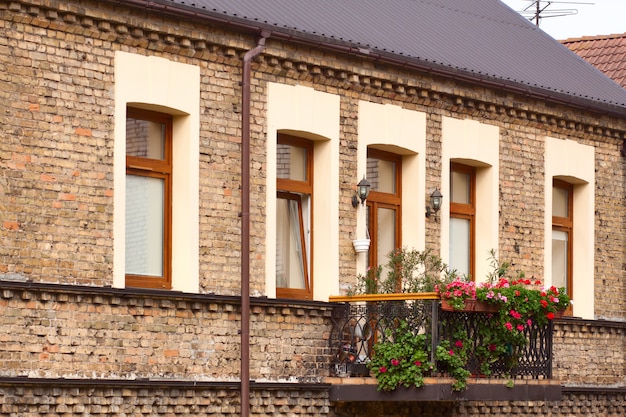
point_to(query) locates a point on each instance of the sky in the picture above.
(592, 17)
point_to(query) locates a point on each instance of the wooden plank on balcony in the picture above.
(494, 390)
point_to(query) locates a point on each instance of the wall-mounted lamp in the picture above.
(362, 191)
(436, 198)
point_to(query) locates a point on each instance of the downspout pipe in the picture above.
(245, 222)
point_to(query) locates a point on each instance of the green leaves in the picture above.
(401, 360)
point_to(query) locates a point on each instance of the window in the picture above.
(294, 201)
(462, 218)
(383, 205)
(562, 228)
(148, 198)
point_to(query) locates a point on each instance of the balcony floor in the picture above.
(355, 389)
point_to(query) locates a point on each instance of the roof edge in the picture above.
(255, 28)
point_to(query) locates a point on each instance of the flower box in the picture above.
(470, 305)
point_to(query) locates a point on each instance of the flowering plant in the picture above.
(524, 300)
(457, 292)
(401, 359)
(454, 358)
(518, 305)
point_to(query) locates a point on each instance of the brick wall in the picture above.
(573, 404)
(589, 353)
(56, 182)
(77, 332)
(56, 189)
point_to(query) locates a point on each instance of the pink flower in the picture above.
(529, 322)
(418, 363)
(382, 369)
(451, 352)
(458, 344)
(520, 327)
(395, 362)
(515, 314)
(508, 325)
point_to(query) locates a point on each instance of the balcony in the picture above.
(358, 323)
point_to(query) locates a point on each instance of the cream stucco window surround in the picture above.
(473, 144)
(168, 87)
(312, 115)
(577, 169)
(402, 132)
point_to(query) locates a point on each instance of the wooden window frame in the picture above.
(466, 211)
(378, 199)
(162, 169)
(566, 224)
(287, 188)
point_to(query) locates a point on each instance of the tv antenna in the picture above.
(539, 9)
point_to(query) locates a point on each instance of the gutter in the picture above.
(245, 221)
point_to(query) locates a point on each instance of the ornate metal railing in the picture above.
(359, 324)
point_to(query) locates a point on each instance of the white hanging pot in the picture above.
(361, 245)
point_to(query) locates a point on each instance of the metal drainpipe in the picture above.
(245, 223)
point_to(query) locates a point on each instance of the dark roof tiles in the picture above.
(482, 38)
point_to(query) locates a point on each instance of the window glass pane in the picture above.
(289, 251)
(291, 162)
(381, 175)
(460, 245)
(386, 235)
(145, 139)
(559, 258)
(144, 225)
(560, 198)
(459, 187)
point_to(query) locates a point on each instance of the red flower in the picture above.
(395, 362)
(418, 363)
(520, 327)
(492, 347)
(544, 303)
(538, 282)
(451, 352)
(517, 293)
(458, 344)
(508, 325)
(382, 369)
(550, 315)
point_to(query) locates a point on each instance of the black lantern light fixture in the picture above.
(436, 198)
(361, 193)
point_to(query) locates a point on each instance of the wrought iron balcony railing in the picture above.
(363, 321)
